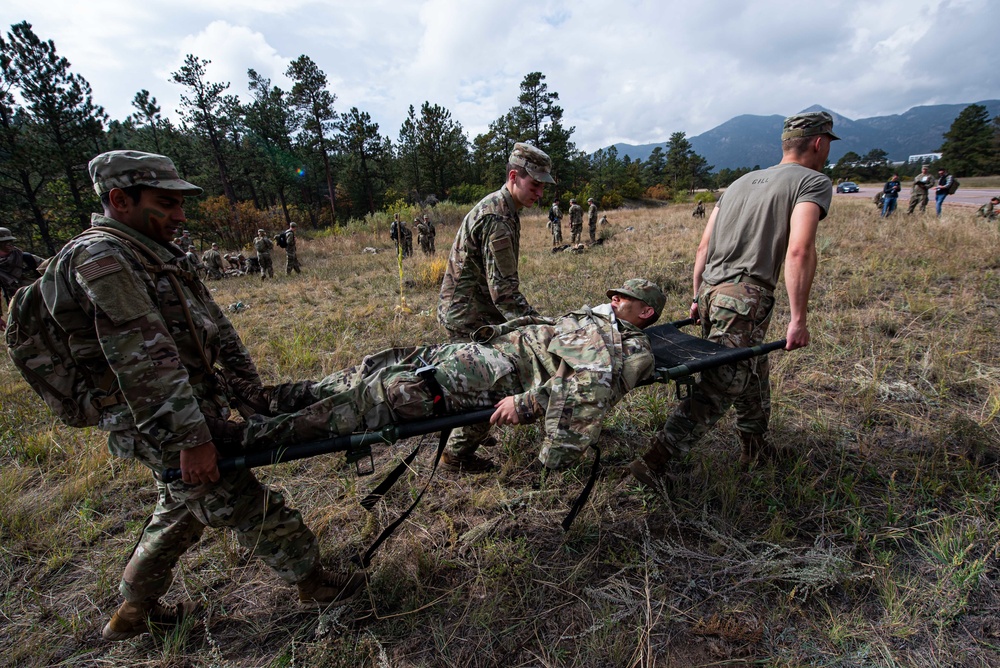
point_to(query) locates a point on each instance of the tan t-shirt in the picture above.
(750, 236)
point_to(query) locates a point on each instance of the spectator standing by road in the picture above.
(890, 193)
(944, 183)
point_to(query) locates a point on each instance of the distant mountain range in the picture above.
(745, 141)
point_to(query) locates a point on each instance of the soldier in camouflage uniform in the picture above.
(431, 235)
(481, 285)
(764, 219)
(291, 254)
(17, 269)
(422, 236)
(555, 224)
(922, 183)
(263, 245)
(575, 222)
(567, 371)
(126, 317)
(592, 220)
(212, 261)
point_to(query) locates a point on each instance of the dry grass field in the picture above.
(876, 546)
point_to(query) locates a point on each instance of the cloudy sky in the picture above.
(625, 71)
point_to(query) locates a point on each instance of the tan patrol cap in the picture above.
(121, 169)
(534, 160)
(808, 124)
(645, 291)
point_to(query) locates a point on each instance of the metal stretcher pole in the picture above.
(386, 435)
(721, 359)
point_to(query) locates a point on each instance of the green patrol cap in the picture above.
(808, 124)
(121, 169)
(645, 291)
(534, 160)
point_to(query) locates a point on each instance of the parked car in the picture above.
(848, 187)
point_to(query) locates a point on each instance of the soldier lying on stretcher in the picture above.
(567, 371)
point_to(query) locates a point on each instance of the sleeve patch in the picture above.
(102, 266)
(503, 254)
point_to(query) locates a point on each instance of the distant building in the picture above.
(924, 157)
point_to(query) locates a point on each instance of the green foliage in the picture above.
(970, 146)
(469, 193)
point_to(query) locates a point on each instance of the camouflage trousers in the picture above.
(576, 231)
(292, 262)
(917, 199)
(263, 524)
(592, 229)
(266, 266)
(385, 389)
(556, 228)
(734, 315)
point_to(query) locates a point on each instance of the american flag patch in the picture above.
(102, 266)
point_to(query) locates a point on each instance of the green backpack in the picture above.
(40, 350)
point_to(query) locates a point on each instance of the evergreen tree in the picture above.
(968, 148)
(70, 126)
(408, 156)
(148, 111)
(442, 147)
(271, 122)
(203, 106)
(366, 153)
(314, 102)
(684, 169)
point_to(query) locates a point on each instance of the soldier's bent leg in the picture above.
(170, 532)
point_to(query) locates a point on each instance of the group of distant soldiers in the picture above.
(575, 222)
(213, 264)
(403, 235)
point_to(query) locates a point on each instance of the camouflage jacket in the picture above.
(263, 246)
(592, 215)
(119, 315)
(576, 215)
(481, 284)
(573, 368)
(290, 240)
(212, 259)
(18, 269)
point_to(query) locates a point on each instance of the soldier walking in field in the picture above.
(765, 219)
(481, 285)
(291, 251)
(128, 299)
(575, 222)
(922, 183)
(431, 235)
(263, 245)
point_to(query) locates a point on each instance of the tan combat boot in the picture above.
(133, 619)
(757, 447)
(651, 468)
(322, 586)
(470, 463)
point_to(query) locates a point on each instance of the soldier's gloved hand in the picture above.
(199, 465)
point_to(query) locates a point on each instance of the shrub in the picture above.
(658, 192)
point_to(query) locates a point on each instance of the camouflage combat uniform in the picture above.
(555, 224)
(291, 254)
(918, 194)
(405, 239)
(17, 269)
(567, 372)
(736, 299)
(592, 222)
(423, 236)
(263, 246)
(212, 261)
(132, 322)
(575, 223)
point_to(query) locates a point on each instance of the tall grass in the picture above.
(876, 546)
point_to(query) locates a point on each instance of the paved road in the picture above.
(974, 197)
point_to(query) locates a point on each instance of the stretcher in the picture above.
(678, 356)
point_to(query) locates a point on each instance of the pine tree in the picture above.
(968, 148)
(314, 102)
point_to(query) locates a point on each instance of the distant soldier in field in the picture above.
(263, 245)
(603, 221)
(699, 211)
(989, 210)
(159, 340)
(431, 235)
(186, 242)
(394, 233)
(405, 239)
(592, 219)
(575, 222)
(922, 183)
(481, 285)
(422, 236)
(212, 261)
(765, 219)
(555, 223)
(291, 252)
(17, 269)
